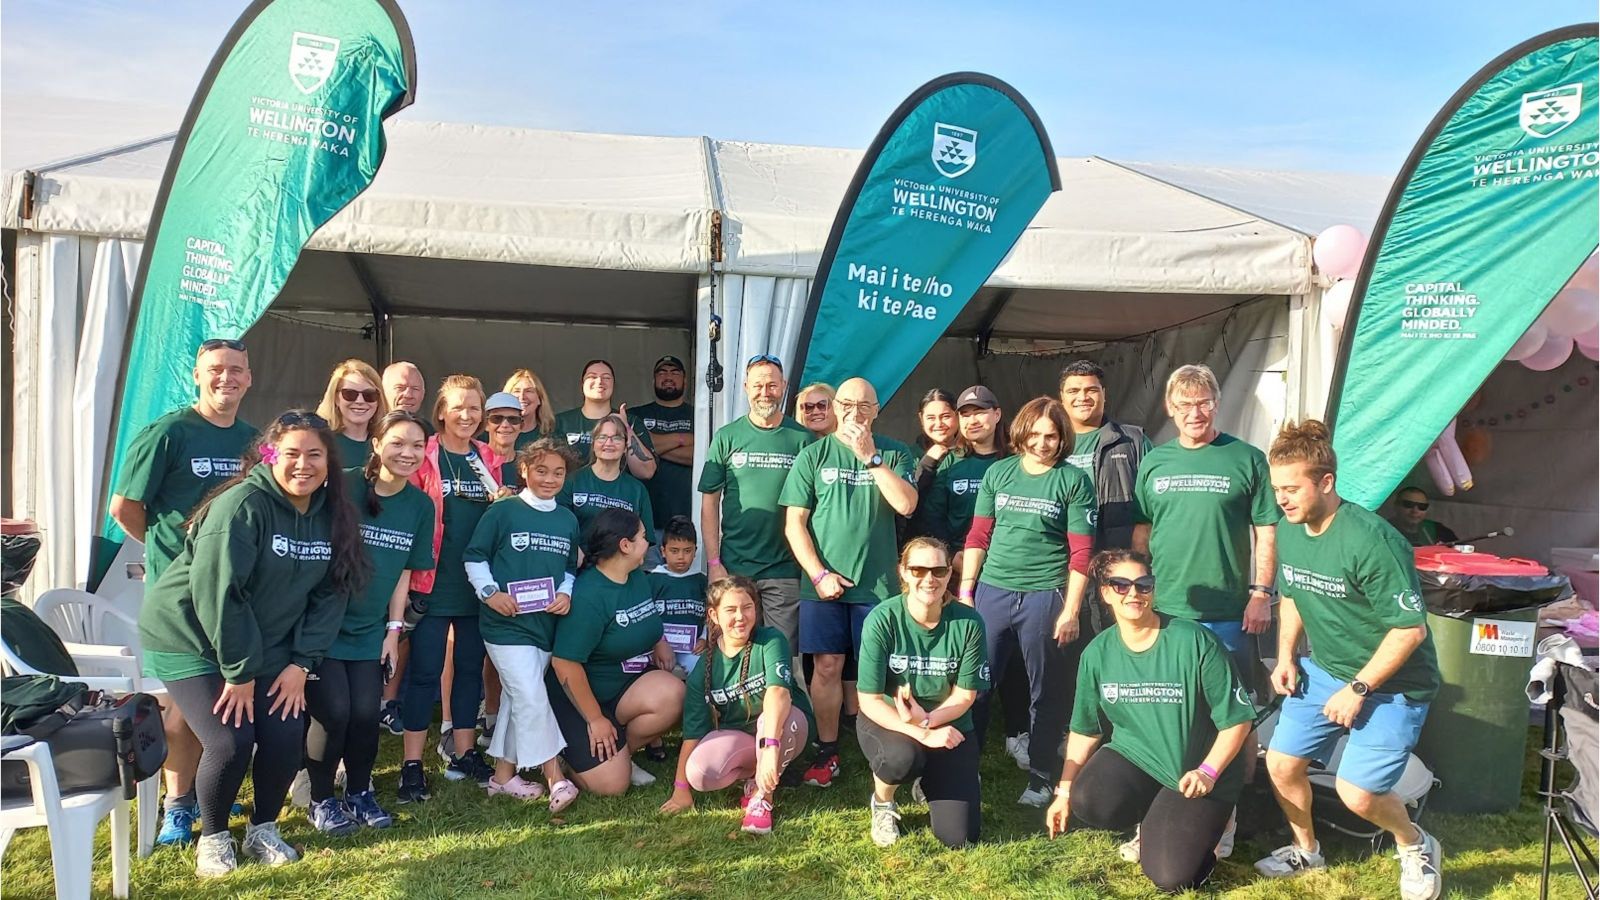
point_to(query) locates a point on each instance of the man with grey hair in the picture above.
(405, 389)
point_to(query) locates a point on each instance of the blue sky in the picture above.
(1321, 85)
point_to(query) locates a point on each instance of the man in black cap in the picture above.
(670, 422)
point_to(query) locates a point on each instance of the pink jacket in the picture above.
(427, 478)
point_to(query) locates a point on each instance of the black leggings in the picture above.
(1177, 835)
(343, 704)
(949, 778)
(225, 751)
(423, 671)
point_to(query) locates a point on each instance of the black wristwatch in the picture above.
(1360, 687)
(875, 461)
(1267, 589)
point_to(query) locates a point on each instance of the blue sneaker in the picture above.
(328, 816)
(177, 825)
(364, 807)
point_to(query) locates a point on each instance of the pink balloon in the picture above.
(1589, 350)
(1338, 250)
(1556, 350)
(1529, 343)
(1440, 472)
(1336, 304)
(1573, 312)
(1590, 338)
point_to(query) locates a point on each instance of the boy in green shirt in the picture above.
(680, 594)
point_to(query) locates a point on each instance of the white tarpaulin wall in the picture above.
(489, 249)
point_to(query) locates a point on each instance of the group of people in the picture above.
(346, 569)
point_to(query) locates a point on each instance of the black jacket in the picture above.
(1116, 467)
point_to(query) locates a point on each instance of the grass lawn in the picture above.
(460, 844)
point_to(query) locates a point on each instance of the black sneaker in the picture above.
(413, 783)
(469, 765)
(656, 752)
(390, 718)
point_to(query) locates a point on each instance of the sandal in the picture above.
(562, 793)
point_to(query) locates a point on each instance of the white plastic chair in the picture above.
(71, 820)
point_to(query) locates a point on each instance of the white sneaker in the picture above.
(1225, 843)
(1129, 850)
(1017, 749)
(214, 855)
(300, 790)
(1289, 860)
(885, 823)
(264, 844)
(446, 747)
(639, 777)
(1420, 864)
(1037, 797)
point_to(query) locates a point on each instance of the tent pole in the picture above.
(379, 305)
(986, 327)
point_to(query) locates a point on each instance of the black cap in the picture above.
(978, 396)
(670, 361)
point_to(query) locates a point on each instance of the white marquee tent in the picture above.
(488, 249)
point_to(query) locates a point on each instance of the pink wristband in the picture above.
(717, 561)
(1206, 770)
(966, 593)
(681, 784)
(820, 575)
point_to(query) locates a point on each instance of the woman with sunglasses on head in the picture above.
(610, 684)
(604, 483)
(456, 474)
(1179, 715)
(343, 701)
(743, 718)
(813, 407)
(923, 664)
(353, 403)
(244, 614)
(1026, 565)
(936, 416)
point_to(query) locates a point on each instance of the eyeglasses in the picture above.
(819, 406)
(1144, 584)
(295, 418)
(505, 419)
(1418, 505)
(865, 407)
(221, 344)
(1184, 407)
(920, 572)
(609, 439)
(351, 395)
(760, 358)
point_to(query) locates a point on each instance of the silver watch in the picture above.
(487, 591)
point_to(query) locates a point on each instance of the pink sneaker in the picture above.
(516, 787)
(749, 789)
(758, 817)
(562, 793)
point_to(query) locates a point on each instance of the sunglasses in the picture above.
(819, 406)
(1144, 584)
(763, 358)
(920, 572)
(351, 395)
(221, 344)
(1418, 505)
(504, 419)
(296, 418)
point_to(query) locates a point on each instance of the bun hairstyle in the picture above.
(605, 534)
(714, 594)
(1307, 442)
(1100, 566)
(392, 420)
(546, 446)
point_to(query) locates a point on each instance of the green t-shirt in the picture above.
(852, 525)
(724, 693)
(1032, 516)
(398, 538)
(954, 495)
(1165, 703)
(465, 502)
(610, 629)
(1084, 449)
(748, 464)
(896, 650)
(352, 453)
(521, 544)
(1351, 585)
(171, 466)
(587, 494)
(1200, 504)
(671, 488)
(578, 431)
(680, 599)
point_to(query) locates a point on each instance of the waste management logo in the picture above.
(1544, 113)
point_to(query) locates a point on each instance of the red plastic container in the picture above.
(1440, 558)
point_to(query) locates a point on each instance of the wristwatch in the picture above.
(1267, 589)
(875, 461)
(1360, 687)
(487, 591)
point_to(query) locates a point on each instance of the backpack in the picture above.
(96, 741)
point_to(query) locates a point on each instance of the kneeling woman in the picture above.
(607, 704)
(250, 607)
(923, 664)
(1178, 715)
(742, 717)
(522, 560)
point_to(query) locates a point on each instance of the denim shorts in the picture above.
(1380, 741)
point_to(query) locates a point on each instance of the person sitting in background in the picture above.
(352, 404)
(742, 716)
(1410, 518)
(813, 407)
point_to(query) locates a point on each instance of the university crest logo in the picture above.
(311, 60)
(1160, 485)
(580, 499)
(280, 545)
(1109, 692)
(898, 663)
(738, 460)
(829, 476)
(519, 541)
(201, 467)
(955, 149)
(1543, 113)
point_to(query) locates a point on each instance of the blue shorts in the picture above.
(1380, 743)
(1243, 651)
(828, 626)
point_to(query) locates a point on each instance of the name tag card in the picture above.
(635, 665)
(532, 594)
(681, 638)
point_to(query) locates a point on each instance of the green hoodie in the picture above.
(250, 593)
